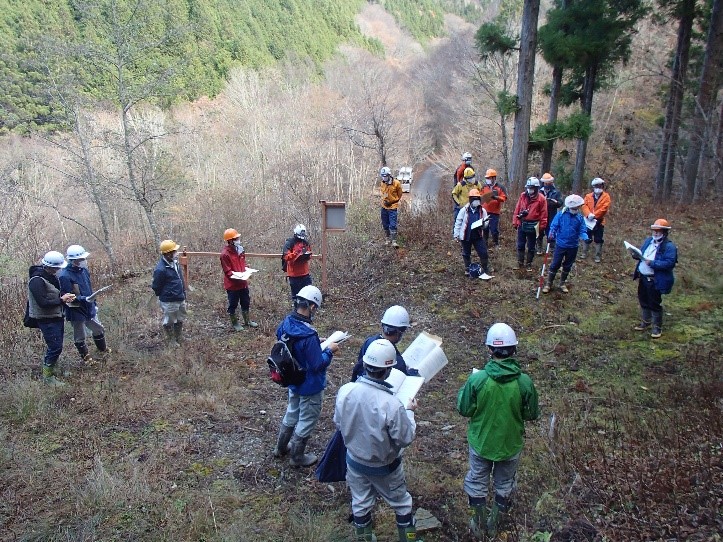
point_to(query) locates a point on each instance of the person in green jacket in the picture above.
(498, 400)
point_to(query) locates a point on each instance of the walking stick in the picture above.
(542, 273)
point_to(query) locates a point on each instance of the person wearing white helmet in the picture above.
(304, 401)
(498, 400)
(391, 190)
(529, 218)
(81, 313)
(566, 231)
(46, 305)
(596, 207)
(168, 285)
(459, 172)
(394, 323)
(376, 427)
(295, 259)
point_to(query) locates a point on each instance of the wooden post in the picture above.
(183, 260)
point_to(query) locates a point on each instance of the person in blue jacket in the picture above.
(394, 323)
(81, 313)
(304, 406)
(655, 271)
(168, 286)
(566, 230)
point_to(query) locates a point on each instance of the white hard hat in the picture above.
(385, 171)
(501, 335)
(311, 293)
(76, 252)
(466, 156)
(573, 201)
(533, 181)
(597, 181)
(54, 259)
(300, 231)
(380, 353)
(396, 316)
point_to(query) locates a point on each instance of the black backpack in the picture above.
(284, 369)
(29, 321)
(288, 245)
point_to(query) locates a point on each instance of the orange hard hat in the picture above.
(660, 224)
(490, 173)
(230, 234)
(547, 177)
(474, 193)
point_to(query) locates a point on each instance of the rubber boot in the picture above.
(282, 442)
(393, 235)
(645, 319)
(363, 531)
(478, 518)
(585, 249)
(520, 260)
(406, 528)
(484, 263)
(548, 282)
(499, 508)
(538, 246)
(298, 457)
(530, 257)
(387, 239)
(247, 321)
(85, 357)
(178, 332)
(235, 323)
(598, 252)
(563, 280)
(101, 345)
(657, 330)
(170, 338)
(50, 379)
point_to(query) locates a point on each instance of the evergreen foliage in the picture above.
(423, 19)
(208, 37)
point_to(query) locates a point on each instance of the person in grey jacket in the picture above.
(46, 305)
(376, 427)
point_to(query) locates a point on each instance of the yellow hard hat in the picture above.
(230, 234)
(468, 173)
(168, 246)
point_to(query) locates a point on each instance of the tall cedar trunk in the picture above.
(555, 87)
(669, 146)
(718, 166)
(505, 146)
(525, 79)
(587, 94)
(710, 80)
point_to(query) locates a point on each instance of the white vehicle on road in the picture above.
(405, 177)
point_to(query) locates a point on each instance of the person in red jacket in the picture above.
(233, 262)
(493, 205)
(529, 218)
(459, 172)
(295, 260)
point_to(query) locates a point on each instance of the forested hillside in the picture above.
(204, 39)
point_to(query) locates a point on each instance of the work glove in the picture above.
(386, 203)
(591, 216)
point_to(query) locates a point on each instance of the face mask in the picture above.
(83, 264)
(598, 191)
(488, 182)
(474, 204)
(531, 191)
(574, 211)
(658, 236)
